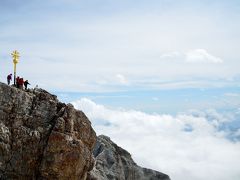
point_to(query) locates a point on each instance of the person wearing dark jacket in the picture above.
(9, 78)
(17, 81)
(26, 84)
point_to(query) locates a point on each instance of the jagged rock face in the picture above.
(41, 138)
(114, 163)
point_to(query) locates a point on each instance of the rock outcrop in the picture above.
(42, 138)
(114, 163)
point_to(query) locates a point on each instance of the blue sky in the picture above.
(163, 60)
(164, 101)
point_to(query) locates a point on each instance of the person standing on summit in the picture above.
(9, 78)
(21, 82)
(26, 84)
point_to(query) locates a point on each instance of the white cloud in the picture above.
(122, 79)
(201, 55)
(192, 56)
(184, 146)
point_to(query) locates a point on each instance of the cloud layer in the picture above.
(186, 146)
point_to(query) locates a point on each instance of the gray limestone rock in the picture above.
(114, 163)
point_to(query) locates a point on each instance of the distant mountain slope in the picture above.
(114, 163)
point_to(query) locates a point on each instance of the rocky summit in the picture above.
(113, 162)
(44, 139)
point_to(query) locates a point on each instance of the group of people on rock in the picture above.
(19, 82)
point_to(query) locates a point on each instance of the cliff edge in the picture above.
(42, 138)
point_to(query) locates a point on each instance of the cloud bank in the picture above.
(186, 146)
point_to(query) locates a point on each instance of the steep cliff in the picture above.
(114, 163)
(42, 138)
